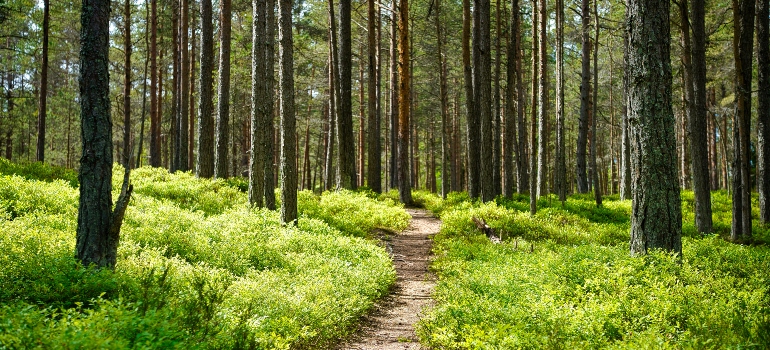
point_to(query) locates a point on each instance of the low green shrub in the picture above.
(215, 274)
(564, 279)
(39, 171)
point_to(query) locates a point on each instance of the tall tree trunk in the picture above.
(205, 163)
(259, 99)
(743, 19)
(126, 82)
(522, 159)
(560, 183)
(144, 95)
(98, 228)
(763, 111)
(223, 93)
(43, 106)
(595, 113)
(270, 136)
(447, 170)
(373, 175)
(699, 119)
(542, 127)
(184, 87)
(582, 140)
(329, 169)
(346, 145)
(656, 215)
(173, 132)
(394, 97)
(191, 106)
(361, 162)
(404, 89)
(288, 120)
(533, 185)
(482, 86)
(496, 112)
(474, 128)
(511, 106)
(155, 155)
(625, 143)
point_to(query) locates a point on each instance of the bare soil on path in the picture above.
(390, 325)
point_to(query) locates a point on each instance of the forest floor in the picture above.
(390, 325)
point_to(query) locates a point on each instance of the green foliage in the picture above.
(213, 274)
(39, 171)
(564, 279)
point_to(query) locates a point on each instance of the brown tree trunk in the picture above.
(374, 177)
(447, 170)
(561, 166)
(582, 140)
(496, 112)
(542, 100)
(743, 20)
(205, 163)
(43, 106)
(259, 100)
(268, 129)
(394, 98)
(404, 89)
(126, 82)
(763, 109)
(699, 118)
(533, 188)
(288, 120)
(656, 214)
(346, 151)
(595, 114)
(482, 86)
(361, 162)
(472, 115)
(223, 93)
(181, 146)
(191, 106)
(155, 155)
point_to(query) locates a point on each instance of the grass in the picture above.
(197, 267)
(564, 279)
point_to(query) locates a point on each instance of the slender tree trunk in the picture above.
(560, 182)
(522, 159)
(98, 228)
(511, 105)
(346, 147)
(594, 112)
(223, 93)
(374, 177)
(496, 112)
(268, 132)
(533, 188)
(288, 121)
(699, 118)
(329, 169)
(474, 128)
(404, 89)
(144, 96)
(625, 145)
(656, 214)
(205, 163)
(184, 87)
(743, 36)
(446, 168)
(482, 81)
(126, 82)
(361, 162)
(155, 155)
(191, 106)
(259, 100)
(763, 111)
(582, 140)
(542, 140)
(173, 132)
(43, 107)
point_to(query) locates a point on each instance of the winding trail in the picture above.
(390, 325)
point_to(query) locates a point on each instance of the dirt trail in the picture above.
(391, 324)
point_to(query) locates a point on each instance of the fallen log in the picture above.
(488, 231)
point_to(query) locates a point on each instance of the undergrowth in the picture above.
(564, 279)
(197, 267)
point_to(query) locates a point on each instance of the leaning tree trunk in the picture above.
(699, 147)
(743, 39)
(98, 228)
(43, 107)
(223, 95)
(582, 139)
(763, 109)
(205, 163)
(288, 121)
(656, 215)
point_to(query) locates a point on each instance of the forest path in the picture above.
(390, 325)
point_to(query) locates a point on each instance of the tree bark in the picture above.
(191, 106)
(259, 99)
(155, 155)
(743, 20)
(98, 228)
(126, 82)
(763, 110)
(656, 215)
(374, 176)
(362, 105)
(560, 185)
(472, 115)
(595, 115)
(582, 140)
(270, 136)
(346, 145)
(184, 86)
(533, 188)
(173, 130)
(447, 170)
(223, 93)
(43, 106)
(625, 160)
(482, 86)
(699, 119)
(288, 121)
(496, 112)
(542, 127)
(404, 89)
(394, 98)
(205, 163)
